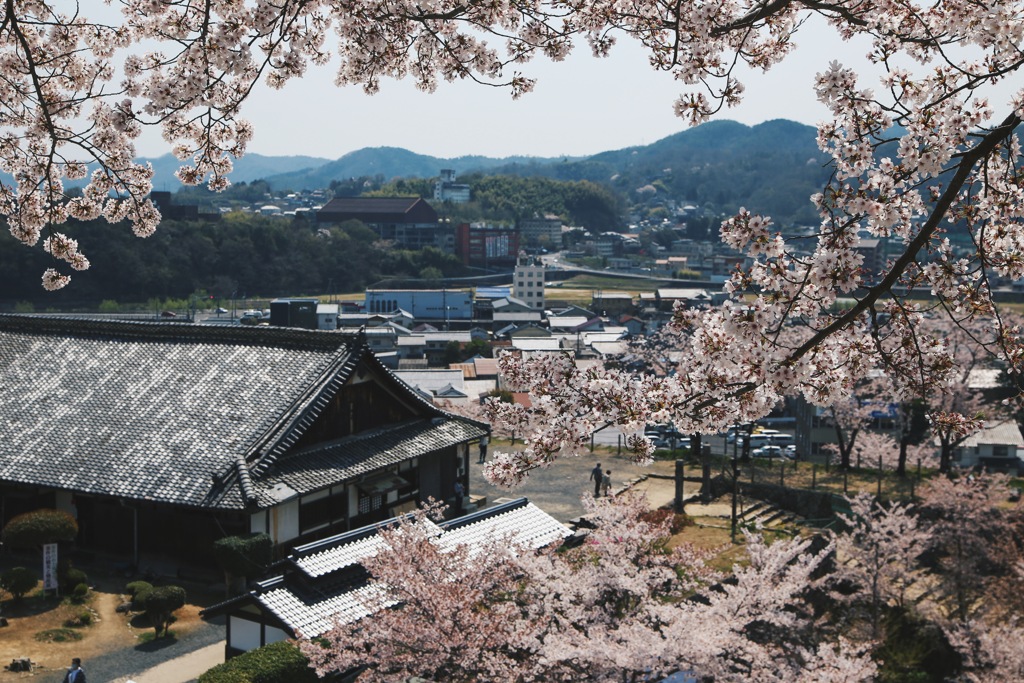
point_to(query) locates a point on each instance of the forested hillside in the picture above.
(507, 198)
(248, 254)
(772, 168)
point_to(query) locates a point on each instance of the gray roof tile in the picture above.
(151, 411)
(316, 468)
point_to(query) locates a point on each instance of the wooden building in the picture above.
(163, 437)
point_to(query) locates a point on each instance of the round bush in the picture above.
(80, 591)
(73, 577)
(18, 581)
(35, 528)
(139, 592)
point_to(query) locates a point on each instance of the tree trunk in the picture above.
(901, 464)
(945, 457)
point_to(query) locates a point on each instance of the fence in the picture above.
(883, 483)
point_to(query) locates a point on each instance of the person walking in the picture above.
(606, 483)
(595, 476)
(75, 672)
(483, 449)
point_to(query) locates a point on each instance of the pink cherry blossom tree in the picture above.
(878, 552)
(622, 606)
(968, 526)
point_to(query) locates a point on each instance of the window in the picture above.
(1001, 451)
(369, 503)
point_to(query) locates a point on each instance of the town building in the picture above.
(409, 221)
(611, 303)
(528, 282)
(446, 189)
(424, 305)
(541, 231)
(997, 447)
(486, 246)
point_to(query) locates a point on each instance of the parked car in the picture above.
(653, 431)
(790, 451)
(665, 443)
(768, 452)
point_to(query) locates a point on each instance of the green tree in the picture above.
(241, 556)
(161, 603)
(36, 528)
(18, 581)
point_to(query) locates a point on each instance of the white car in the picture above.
(768, 452)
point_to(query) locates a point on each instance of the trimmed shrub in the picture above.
(139, 591)
(80, 591)
(279, 662)
(18, 581)
(133, 588)
(35, 528)
(73, 577)
(244, 555)
(161, 605)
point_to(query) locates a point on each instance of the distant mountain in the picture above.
(247, 169)
(389, 162)
(773, 167)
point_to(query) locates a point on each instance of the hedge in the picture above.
(279, 662)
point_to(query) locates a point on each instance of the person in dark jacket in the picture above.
(596, 476)
(75, 673)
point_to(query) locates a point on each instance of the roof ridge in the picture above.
(285, 432)
(70, 326)
(486, 513)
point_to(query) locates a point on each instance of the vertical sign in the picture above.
(50, 566)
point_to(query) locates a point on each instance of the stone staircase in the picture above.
(765, 515)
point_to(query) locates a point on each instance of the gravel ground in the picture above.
(132, 661)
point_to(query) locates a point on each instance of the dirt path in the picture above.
(109, 632)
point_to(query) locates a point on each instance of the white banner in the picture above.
(49, 566)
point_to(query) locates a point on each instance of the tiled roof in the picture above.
(522, 522)
(324, 583)
(321, 466)
(313, 618)
(156, 411)
(370, 204)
